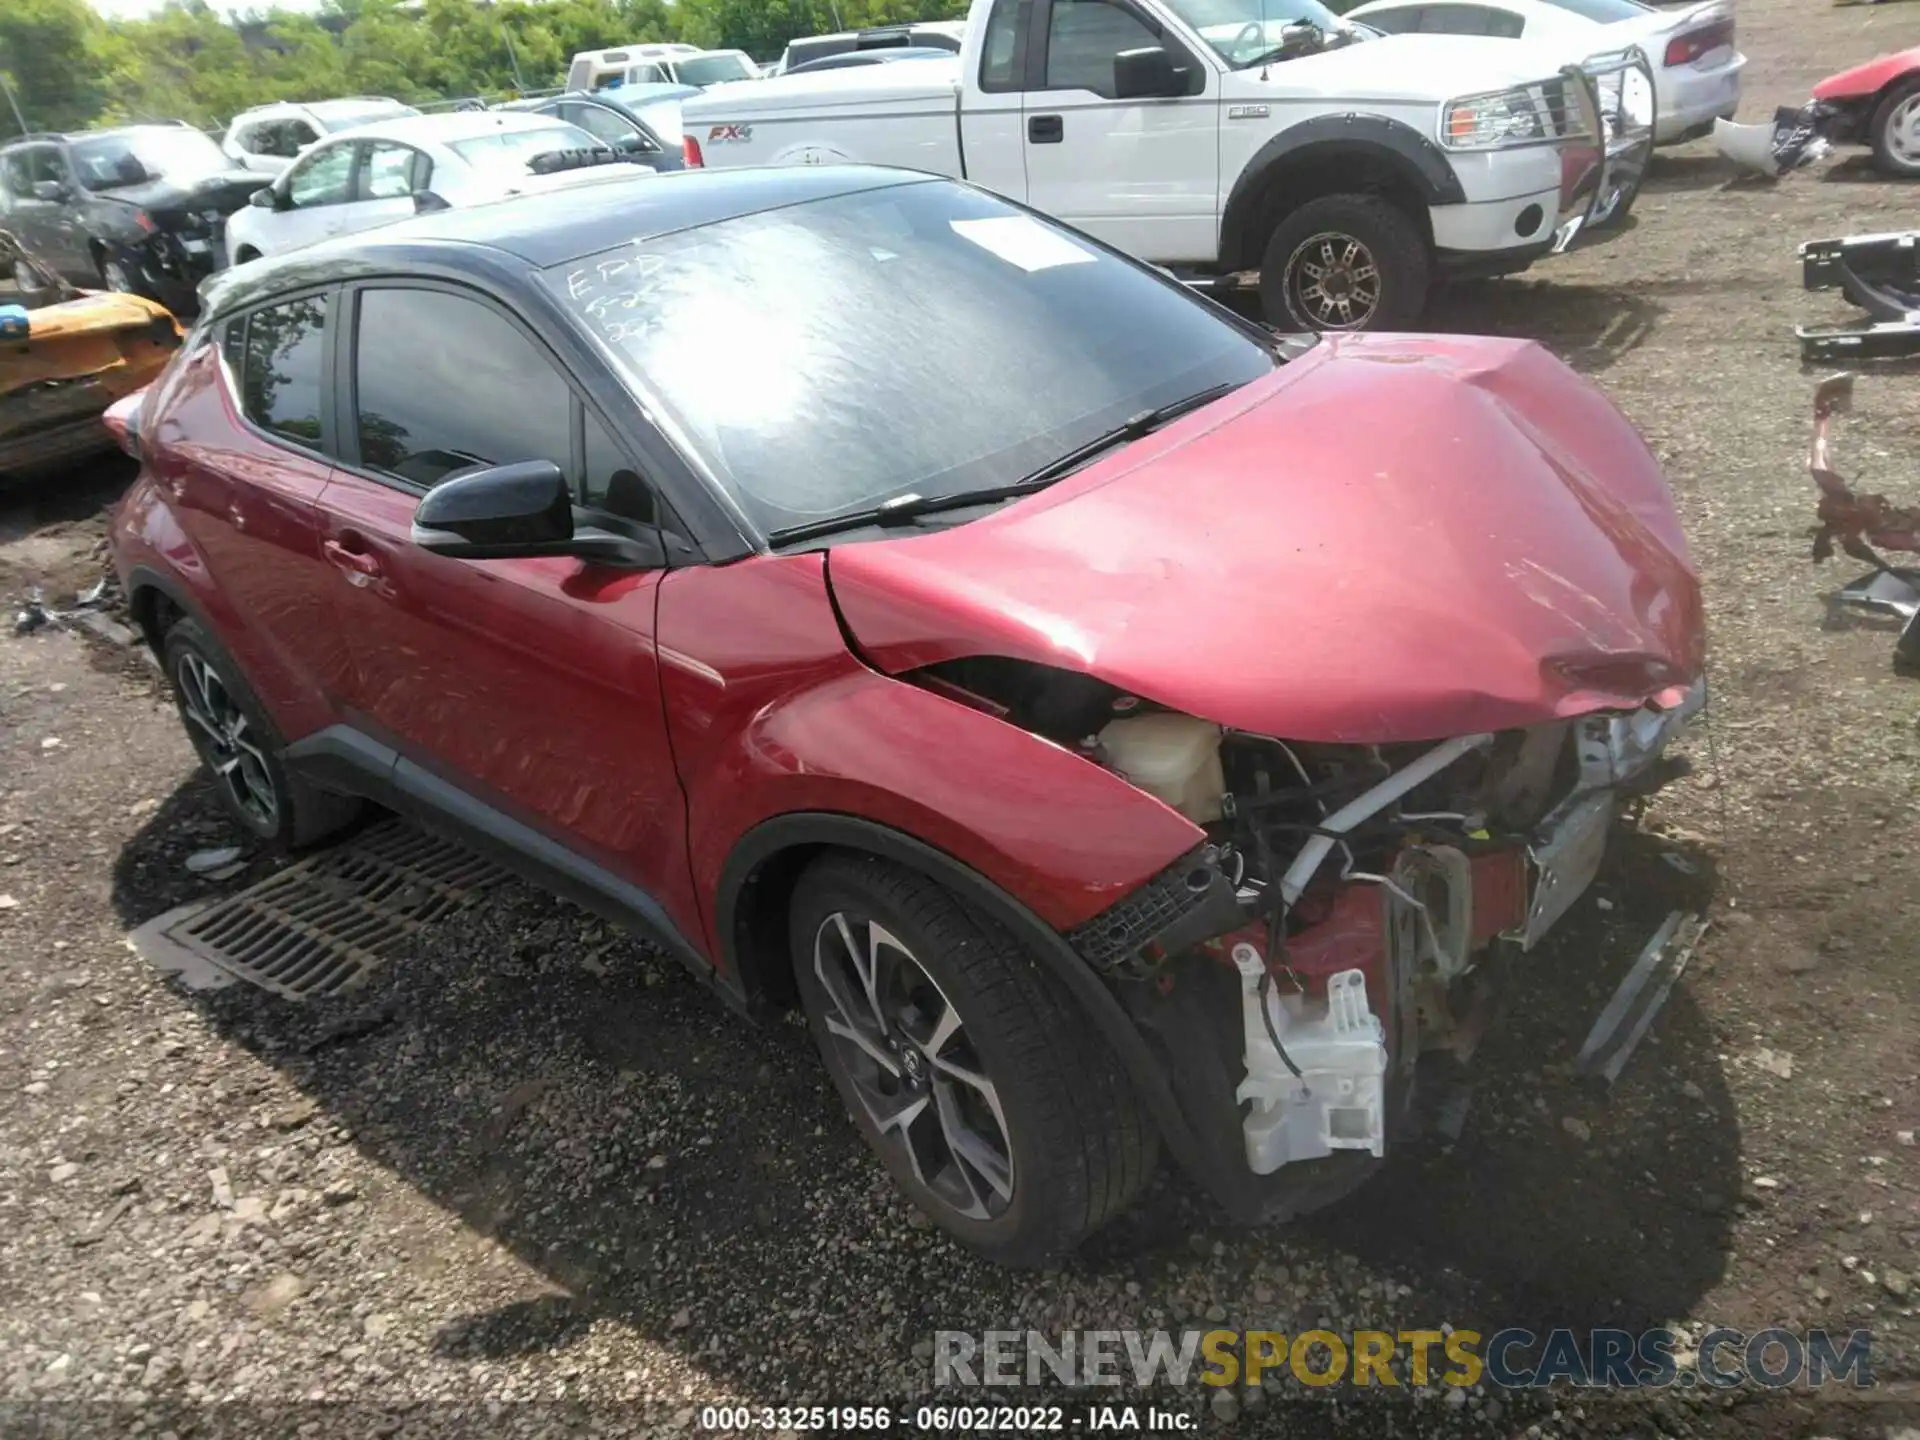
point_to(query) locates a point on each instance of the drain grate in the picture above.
(323, 924)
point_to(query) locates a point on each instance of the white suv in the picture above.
(266, 139)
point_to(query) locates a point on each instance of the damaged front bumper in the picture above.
(1795, 138)
(1327, 1024)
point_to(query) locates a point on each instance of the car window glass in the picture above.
(603, 124)
(1083, 36)
(1394, 22)
(1454, 20)
(280, 368)
(1505, 25)
(442, 382)
(1000, 57)
(322, 179)
(612, 482)
(387, 173)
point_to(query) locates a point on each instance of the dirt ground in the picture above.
(534, 1179)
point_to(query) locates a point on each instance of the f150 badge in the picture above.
(727, 134)
(1246, 112)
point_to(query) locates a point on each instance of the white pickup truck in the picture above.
(1219, 137)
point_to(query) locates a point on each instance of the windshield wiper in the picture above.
(903, 509)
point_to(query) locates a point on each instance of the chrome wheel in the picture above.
(902, 1044)
(1903, 132)
(225, 740)
(1333, 282)
(116, 276)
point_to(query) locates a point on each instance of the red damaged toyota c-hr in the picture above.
(1115, 728)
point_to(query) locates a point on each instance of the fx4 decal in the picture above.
(727, 134)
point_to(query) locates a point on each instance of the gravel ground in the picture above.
(533, 1179)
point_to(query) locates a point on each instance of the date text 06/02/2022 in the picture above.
(931, 1419)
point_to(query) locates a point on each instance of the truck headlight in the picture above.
(1487, 122)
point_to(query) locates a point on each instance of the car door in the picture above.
(243, 455)
(529, 685)
(46, 211)
(386, 177)
(315, 194)
(992, 123)
(1143, 175)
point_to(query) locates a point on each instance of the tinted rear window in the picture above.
(277, 352)
(923, 339)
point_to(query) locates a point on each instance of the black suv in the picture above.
(138, 209)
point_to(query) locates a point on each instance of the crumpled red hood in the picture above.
(1867, 79)
(1392, 538)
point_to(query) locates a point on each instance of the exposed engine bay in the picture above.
(1347, 896)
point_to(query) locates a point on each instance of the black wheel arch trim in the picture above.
(145, 577)
(1414, 157)
(1232, 1184)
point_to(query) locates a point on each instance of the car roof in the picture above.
(556, 226)
(67, 137)
(454, 126)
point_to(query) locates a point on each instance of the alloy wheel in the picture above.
(1903, 132)
(913, 1065)
(225, 740)
(116, 276)
(1333, 282)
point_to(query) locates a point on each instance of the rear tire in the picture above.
(236, 740)
(1345, 262)
(1895, 130)
(977, 1080)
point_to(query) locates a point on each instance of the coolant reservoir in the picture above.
(1174, 758)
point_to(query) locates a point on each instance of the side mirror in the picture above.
(263, 199)
(506, 512)
(49, 190)
(425, 202)
(1147, 74)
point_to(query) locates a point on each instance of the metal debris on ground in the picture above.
(1857, 523)
(322, 925)
(1881, 275)
(204, 862)
(87, 612)
(1640, 996)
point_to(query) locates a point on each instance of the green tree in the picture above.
(48, 54)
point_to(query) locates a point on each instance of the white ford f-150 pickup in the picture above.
(1219, 137)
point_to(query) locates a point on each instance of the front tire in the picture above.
(1895, 129)
(237, 742)
(1345, 262)
(973, 1076)
(117, 276)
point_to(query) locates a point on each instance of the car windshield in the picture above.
(920, 340)
(1245, 31)
(711, 69)
(508, 152)
(106, 162)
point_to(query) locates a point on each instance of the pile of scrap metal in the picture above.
(1881, 275)
(1876, 105)
(1859, 523)
(79, 355)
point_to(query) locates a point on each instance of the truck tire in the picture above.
(1345, 262)
(969, 1071)
(1895, 131)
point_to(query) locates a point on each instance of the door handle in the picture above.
(353, 562)
(1046, 129)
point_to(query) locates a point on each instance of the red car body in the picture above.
(1868, 80)
(1389, 540)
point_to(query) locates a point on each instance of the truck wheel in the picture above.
(1345, 262)
(1896, 130)
(977, 1081)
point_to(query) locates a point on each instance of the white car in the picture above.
(383, 173)
(658, 65)
(267, 138)
(1696, 70)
